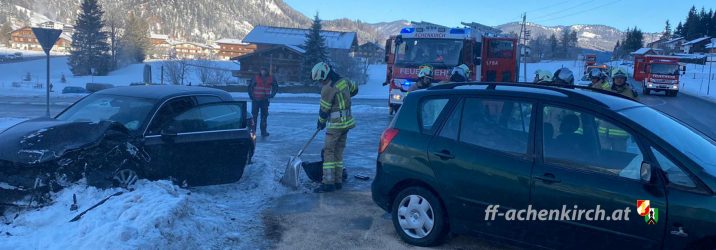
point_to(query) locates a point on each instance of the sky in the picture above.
(649, 16)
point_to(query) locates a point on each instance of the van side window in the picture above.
(580, 140)
(452, 125)
(674, 174)
(496, 124)
(430, 111)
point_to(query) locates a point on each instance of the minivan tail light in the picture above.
(386, 138)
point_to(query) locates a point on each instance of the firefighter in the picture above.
(619, 76)
(260, 91)
(543, 77)
(425, 78)
(599, 79)
(563, 76)
(335, 113)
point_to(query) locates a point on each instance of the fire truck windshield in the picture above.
(665, 69)
(429, 51)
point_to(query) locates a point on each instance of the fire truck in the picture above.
(589, 60)
(658, 73)
(491, 57)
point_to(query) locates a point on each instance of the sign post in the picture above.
(47, 39)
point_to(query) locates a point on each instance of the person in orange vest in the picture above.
(260, 91)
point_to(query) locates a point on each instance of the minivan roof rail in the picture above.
(555, 87)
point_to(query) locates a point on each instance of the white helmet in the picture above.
(320, 71)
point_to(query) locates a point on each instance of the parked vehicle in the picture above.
(73, 90)
(490, 57)
(193, 135)
(454, 151)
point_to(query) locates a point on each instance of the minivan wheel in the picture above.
(418, 217)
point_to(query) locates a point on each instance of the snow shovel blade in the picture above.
(290, 176)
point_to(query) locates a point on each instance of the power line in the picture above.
(547, 7)
(581, 12)
(562, 10)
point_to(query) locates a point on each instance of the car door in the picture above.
(207, 144)
(482, 157)
(591, 163)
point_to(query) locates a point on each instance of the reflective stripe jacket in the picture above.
(336, 100)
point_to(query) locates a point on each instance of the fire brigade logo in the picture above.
(642, 207)
(651, 215)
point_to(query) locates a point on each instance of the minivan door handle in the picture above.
(548, 178)
(444, 155)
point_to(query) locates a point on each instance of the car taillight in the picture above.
(386, 138)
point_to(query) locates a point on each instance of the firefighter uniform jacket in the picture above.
(336, 104)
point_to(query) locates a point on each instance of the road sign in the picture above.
(46, 37)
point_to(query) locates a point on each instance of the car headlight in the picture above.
(397, 97)
(675, 86)
(650, 85)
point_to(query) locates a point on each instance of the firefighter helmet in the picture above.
(425, 71)
(563, 76)
(596, 73)
(619, 72)
(320, 71)
(461, 70)
(543, 76)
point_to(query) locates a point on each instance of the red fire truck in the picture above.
(658, 73)
(491, 58)
(589, 60)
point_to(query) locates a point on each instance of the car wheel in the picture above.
(391, 110)
(125, 177)
(646, 91)
(418, 217)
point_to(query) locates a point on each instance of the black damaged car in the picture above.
(192, 135)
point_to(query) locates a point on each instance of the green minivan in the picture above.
(545, 167)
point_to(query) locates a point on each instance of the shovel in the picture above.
(290, 176)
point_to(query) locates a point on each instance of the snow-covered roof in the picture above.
(697, 40)
(231, 41)
(642, 51)
(675, 39)
(296, 37)
(159, 36)
(711, 45)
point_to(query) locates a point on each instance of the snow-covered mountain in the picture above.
(596, 37)
(210, 20)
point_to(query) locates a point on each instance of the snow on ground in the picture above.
(16, 72)
(374, 88)
(696, 81)
(25, 53)
(143, 218)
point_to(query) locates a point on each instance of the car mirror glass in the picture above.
(645, 172)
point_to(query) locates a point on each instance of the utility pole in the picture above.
(524, 33)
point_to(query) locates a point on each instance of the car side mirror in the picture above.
(645, 172)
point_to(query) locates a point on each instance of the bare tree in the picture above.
(176, 71)
(204, 71)
(114, 24)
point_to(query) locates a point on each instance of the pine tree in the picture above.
(667, 31)
(89, 42)
(691, 26)
(553, 45)
(564, 43)
(634, 41)
(135, 41)
(679, 31)
(315, 47)
(712, 26)
(615, 51)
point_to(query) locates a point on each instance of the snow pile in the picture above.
(144, 218)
